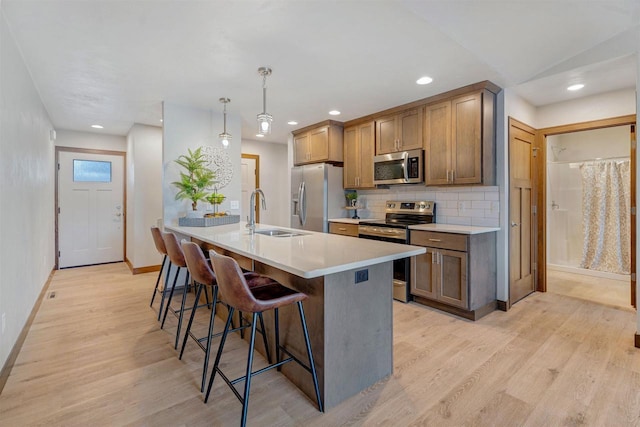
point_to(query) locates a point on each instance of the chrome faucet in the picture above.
(251, 224)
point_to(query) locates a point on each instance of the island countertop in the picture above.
(311, 254)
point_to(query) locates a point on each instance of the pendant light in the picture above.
(224, 136)
(264, 118)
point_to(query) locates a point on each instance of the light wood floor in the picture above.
(96, 356)
(596, 289)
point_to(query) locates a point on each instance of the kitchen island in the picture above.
(349, 310)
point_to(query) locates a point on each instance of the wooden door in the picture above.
(453, 278)
(319, 144)
(386, 135)
(91, 210)
(437, 143)
(424, 274)
(366, 137)
(351, 169)
(521, 235)
(466, 139)
(634, 214)
(301, 148)
(410, 129)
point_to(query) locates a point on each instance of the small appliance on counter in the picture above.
(395, 228)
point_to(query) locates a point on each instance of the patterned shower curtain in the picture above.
(606, 201)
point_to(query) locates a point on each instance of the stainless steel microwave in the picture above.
(404, 167)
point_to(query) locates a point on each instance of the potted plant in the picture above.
(196, 178)
(352, 198)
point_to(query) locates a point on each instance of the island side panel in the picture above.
(358, 331)
(291, 336)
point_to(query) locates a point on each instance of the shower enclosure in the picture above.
(585, 176)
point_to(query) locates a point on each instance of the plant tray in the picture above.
(208, 221)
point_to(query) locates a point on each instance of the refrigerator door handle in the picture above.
(303, 204)
(298, 200)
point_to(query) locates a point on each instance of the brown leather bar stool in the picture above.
(174, 251)
(157, 240)
(202, 274)
(240, 296)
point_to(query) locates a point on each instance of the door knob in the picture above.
(514, 224)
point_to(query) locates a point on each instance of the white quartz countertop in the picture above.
(452, 228)
(309, 255)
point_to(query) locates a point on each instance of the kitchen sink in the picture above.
(279, 233)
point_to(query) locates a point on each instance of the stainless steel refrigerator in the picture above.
(316, 196)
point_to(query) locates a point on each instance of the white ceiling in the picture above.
(114, 62)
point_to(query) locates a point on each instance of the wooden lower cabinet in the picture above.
(456, 274)
(343, 228)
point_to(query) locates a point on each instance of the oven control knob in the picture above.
(422, 206)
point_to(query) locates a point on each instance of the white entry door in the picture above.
(91, 203)
(249, 178)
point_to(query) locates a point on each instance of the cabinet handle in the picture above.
(435, 240)
(342, 229)
(434, 255)
(448, 176)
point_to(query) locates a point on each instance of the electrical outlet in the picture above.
(362, 276)
(4, 321)
(234, 204)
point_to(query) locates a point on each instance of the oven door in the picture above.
(400, 270)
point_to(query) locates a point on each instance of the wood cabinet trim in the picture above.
(480, 86)
(316, 126)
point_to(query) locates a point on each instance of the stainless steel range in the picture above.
(395, 228)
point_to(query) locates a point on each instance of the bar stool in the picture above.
(174, 251)
(239, 296)
(200, 270)
(157, 240)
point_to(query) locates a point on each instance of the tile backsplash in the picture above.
(479, 206)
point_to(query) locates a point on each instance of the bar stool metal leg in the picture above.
(155, 290)
(164, 291)
(168, 307)
(185, 289)
(219, 353)
(312, 364)
(247, 381)
(193, 314)
(277, 325)
(207, 351)
(264, 338)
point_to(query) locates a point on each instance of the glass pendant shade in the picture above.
(225, 137)
(264, 119)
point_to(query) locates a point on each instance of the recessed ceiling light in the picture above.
(576, 87)
(292, 123)
(161, 120)
(97, 127)
(334, 112)
(424, 80)
(259, 135)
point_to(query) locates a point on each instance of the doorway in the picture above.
(588, 192)
(90, 210)
(250, 171)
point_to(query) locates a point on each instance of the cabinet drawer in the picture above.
(456, 242)
(344, 229)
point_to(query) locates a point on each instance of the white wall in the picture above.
(189, 128)
(90, 140)
(144, 193)
(26, 192)
(596, 107)
(274, 175)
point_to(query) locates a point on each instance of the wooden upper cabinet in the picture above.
(358, 156)
(318, 143)
(399, 132)
(466, 139)
(437, 142)
(459, 140)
